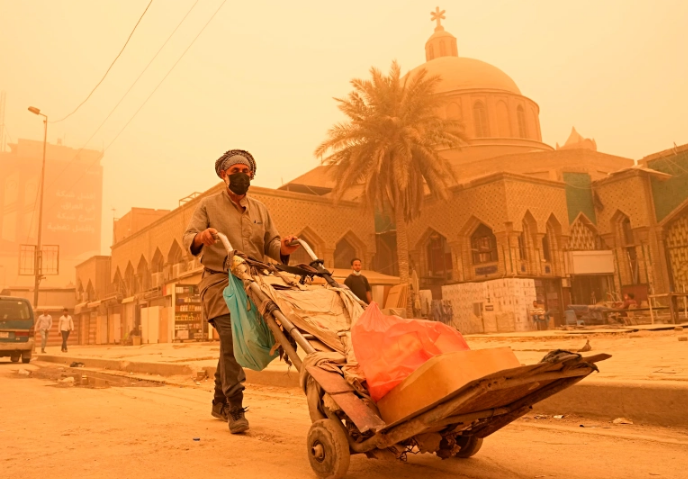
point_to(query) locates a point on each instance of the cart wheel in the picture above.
(328, 449)
(470, 445)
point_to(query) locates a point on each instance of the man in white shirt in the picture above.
(65, 326)
(43, 325)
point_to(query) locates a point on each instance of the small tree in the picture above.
(388, 148)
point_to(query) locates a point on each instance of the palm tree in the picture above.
(388, 148)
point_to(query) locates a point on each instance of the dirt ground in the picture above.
(122, 430)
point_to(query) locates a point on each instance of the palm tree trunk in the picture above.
(403, 257)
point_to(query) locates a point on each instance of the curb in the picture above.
(660, 403)
(162, 369)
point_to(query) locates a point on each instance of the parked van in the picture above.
(16, 329)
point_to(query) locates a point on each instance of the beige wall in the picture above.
(94, 271)
(501, 202)
(135, 220)
(293, 213)
(502, 108)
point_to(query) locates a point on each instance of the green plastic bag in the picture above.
(251, 336)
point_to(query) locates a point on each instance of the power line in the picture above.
(57, 177)
(166, 75)
(152, 93)
(110, 67)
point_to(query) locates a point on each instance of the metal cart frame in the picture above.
(345, 422)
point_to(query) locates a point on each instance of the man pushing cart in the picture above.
(375, 385)
(248, 225)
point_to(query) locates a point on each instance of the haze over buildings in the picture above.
(71, 213)
(263, 74)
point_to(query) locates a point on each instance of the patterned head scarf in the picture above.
(235, 157)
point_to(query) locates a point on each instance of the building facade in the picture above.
(71, 212)
(563, 225)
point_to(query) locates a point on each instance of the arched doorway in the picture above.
(438, 257)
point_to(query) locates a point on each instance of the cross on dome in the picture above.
(438, 16)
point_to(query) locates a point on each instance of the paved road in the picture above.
(55, 432)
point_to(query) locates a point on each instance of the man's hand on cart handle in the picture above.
(206, 237)
(289, 245)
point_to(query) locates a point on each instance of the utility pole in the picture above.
(38, 262)
(2, 121)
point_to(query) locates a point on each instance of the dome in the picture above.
(460, 73)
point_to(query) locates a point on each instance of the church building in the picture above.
(561, 225)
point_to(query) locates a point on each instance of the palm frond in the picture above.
(388, 145)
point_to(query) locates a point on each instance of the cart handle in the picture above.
(225, 241)
(305, 246)
(297, 242)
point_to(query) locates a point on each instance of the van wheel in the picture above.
(26, 359)
(15, 358)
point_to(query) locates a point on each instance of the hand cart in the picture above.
(346, 422)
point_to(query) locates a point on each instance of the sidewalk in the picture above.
(646, 378)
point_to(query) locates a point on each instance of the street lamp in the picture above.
(38, 261)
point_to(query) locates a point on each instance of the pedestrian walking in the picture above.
(43, 325)
(249, 228)
(65, 325)
(357, 283)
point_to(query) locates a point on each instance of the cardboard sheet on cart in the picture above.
(322, 311)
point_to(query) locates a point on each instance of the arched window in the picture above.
(631, 259)
(454, 111)
(431, 52)
(503, 123)
(143, 275)
(130, 279)
(175, 254)
(521, 116)
(439, 257)
(443, 50)
(522, 251)
(157, 262)
(118, 284)
(480, 120)
(483, 245)
(90, 292)
(343, 254)
(628, 237)
(546, 250)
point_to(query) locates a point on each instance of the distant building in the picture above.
(72, 206)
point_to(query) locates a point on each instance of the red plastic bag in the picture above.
(390, 348)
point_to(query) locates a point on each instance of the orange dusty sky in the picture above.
(263, 74)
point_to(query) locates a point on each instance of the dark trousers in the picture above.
(229, 376)
(65, 336)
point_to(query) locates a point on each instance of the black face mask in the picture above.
(239, 183)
